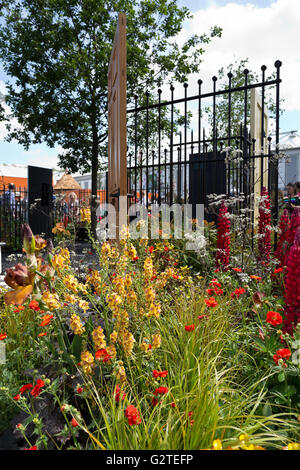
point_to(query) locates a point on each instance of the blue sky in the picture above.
(263, 30)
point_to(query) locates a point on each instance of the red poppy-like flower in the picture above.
(74, 423)
(37, 388)
(219, 291)
(161, 373)
(211, 302)
(215, 283)
(150, 249)
(175, 276)
(223, 240)
(42, 334)
(117, 394)
(34, 305)
(200, 317)
(133, 415)
(3, 336)
(36, 391)
(189, 327)
(17, 397)
(161, 391)
(284, 353)
(237, 270)
(274, 318)
(278, 270)
(79, 389)
(32, 448)
(210, 291)
(238, 292)
(102, 355)
(173, 404)
(25, 387)
(46, 319)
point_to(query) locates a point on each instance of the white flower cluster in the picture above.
(196, 241)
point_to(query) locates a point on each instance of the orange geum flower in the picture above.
(3, 336)
(46, 319)
(256, 278)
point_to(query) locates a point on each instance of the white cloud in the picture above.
(262, 34)
(40, 157)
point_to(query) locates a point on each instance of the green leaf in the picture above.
(281, 377)
(76, 346)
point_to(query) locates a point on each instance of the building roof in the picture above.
(67, 182)
(289, 140)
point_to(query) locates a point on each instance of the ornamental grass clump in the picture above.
(292, 287)
(223, 239)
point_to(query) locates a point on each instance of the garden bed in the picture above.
(147, 345)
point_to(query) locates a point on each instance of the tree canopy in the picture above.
(56, 53)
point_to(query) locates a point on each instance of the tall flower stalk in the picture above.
(292, 286)
(283, 240)
(294, 225)
(223, 240)
(264, 227)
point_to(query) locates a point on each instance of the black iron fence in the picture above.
(65, 208)
(180, 150)
(173, 158)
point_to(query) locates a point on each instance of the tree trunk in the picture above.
(94, 181)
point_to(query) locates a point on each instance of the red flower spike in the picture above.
(264, 227)
(223, 240)
(292, 287)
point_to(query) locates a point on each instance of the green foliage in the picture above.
(57, 55)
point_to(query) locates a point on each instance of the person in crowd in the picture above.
(297, 193)
(73, 206)
(291, 199)
(10, 198)
(290, 189)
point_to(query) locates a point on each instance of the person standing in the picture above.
(10, 199)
